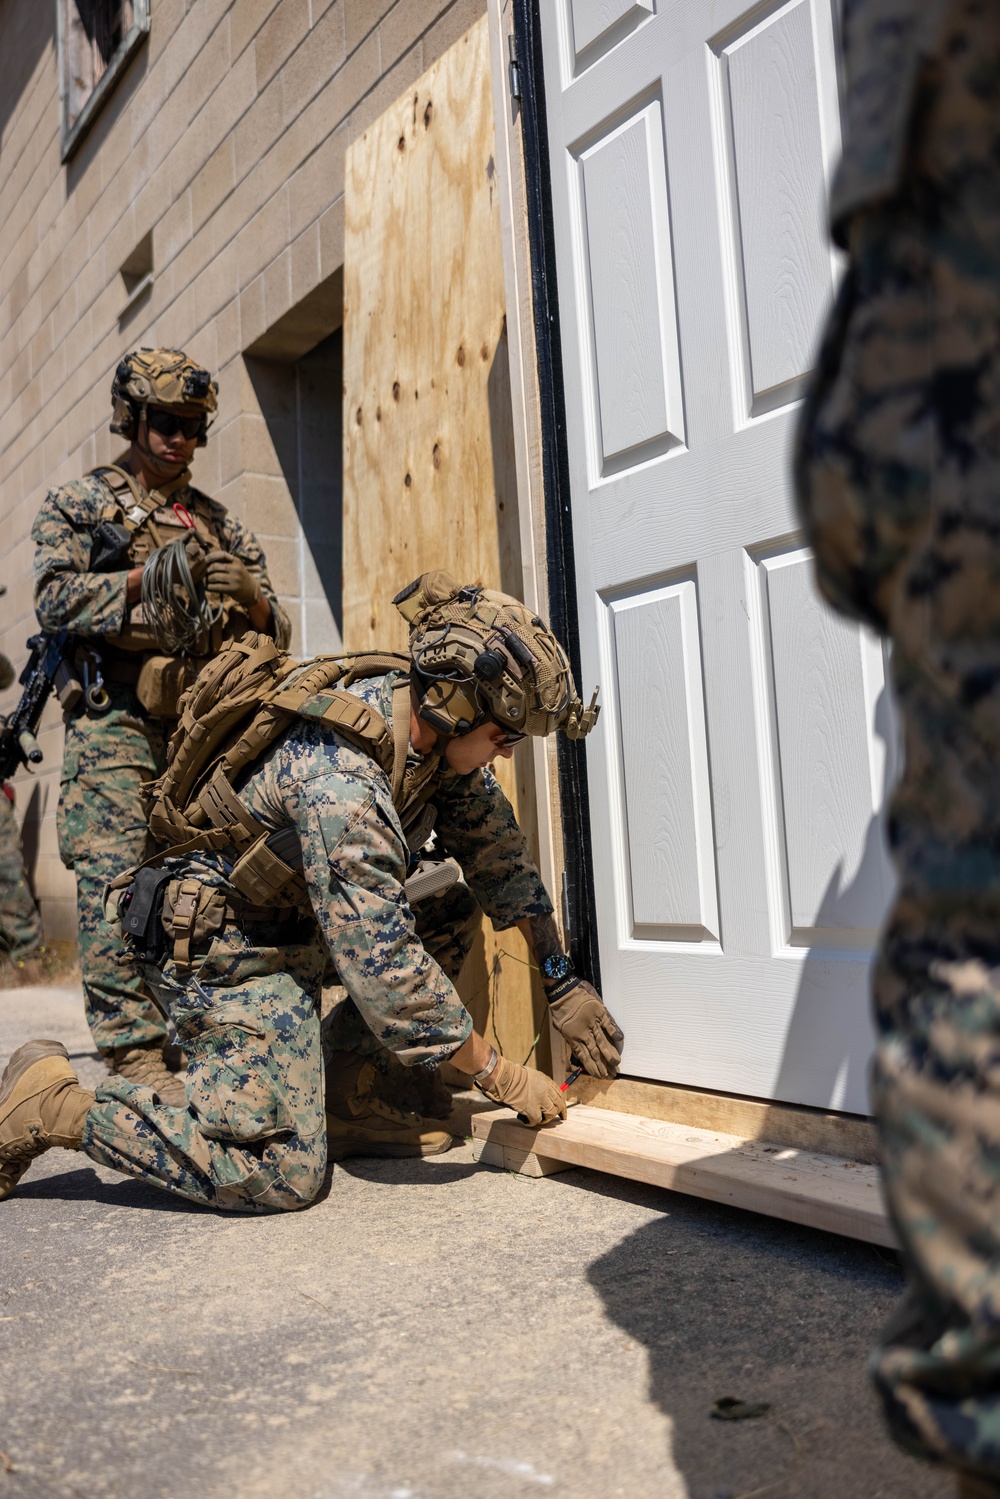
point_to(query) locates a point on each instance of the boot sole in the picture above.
(339, 1150)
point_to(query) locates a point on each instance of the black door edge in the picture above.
(579, 903)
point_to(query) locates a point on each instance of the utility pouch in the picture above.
(110, 549)
(259, 875)
(192, 913)
(162, 681)
(141, 914)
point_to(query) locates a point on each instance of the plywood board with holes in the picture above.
(821, 1191)
(429, 463)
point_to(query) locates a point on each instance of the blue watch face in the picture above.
(556, 966)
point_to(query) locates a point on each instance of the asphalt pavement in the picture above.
(428, 1330)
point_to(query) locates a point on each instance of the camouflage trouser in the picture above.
(20, 927)
(447, 925)
(253, 1136)
(102, 831)
(899, 480)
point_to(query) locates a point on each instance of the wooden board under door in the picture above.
(429, 474)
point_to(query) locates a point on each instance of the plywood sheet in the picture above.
(429, 464)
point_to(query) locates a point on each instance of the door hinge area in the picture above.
(513, 69)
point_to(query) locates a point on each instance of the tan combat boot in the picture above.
(358, 1122)
(41, 1105)
(144, 1065)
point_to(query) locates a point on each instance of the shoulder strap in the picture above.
(143, 502)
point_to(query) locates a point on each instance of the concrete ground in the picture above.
(429, 1330)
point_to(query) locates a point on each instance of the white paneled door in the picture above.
(738, 771)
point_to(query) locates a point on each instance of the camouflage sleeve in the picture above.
(242, 543)
(67, 596)
(354, 865)
(476, 825)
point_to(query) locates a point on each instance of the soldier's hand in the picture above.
(197, 555)
(534, 1097)
(228, 575)
(584, 1021)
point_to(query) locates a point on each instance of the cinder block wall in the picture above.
(225, 141)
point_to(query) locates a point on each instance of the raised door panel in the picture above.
(775, 154)
(664, 759)
(597, 24)
(635, 356)
(833, 734)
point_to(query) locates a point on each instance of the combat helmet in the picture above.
(160, 377)
(478, 655)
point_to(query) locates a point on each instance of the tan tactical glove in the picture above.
(534, 1097)
(585, 1023)
(228, 575)
(197, 555)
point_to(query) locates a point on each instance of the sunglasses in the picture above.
(508, 739)
(167, 423)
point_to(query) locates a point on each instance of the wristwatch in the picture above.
(555, 967)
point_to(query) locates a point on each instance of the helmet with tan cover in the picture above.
(479, 655)
(160, 377)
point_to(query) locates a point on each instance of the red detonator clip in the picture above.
(183, 515)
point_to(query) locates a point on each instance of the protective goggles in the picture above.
(160, 419)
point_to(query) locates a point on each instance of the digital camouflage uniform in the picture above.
(100, 819)
(252, 1137)
(20, 927)
(899, 482)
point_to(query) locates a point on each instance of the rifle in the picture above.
(48, 666)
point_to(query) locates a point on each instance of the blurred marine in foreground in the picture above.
(898, 472)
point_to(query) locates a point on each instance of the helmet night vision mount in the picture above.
(482, 656)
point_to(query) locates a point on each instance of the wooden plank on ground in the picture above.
(820, 1191)
(429, 459)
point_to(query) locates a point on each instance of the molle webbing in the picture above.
(237, 709)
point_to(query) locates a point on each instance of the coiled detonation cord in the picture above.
(174, 606)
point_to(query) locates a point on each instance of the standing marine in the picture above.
(297, 810)
(95, 539)
(898, 473)
(20, 925)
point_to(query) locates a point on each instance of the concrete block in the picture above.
(451, 28)
(268, 500)
(213, 183)
(283, 563)
(314, 63)
(245, 20)
(172, 231)
(279, 36)
(317, 183)
(278, 288)
(227, 327)
(263, 238)
(331, 238)
(306, 272)
(258, 129)
(361, 17)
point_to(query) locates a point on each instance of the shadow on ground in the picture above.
(729, 1304)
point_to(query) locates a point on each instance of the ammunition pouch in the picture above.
(161, 682)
